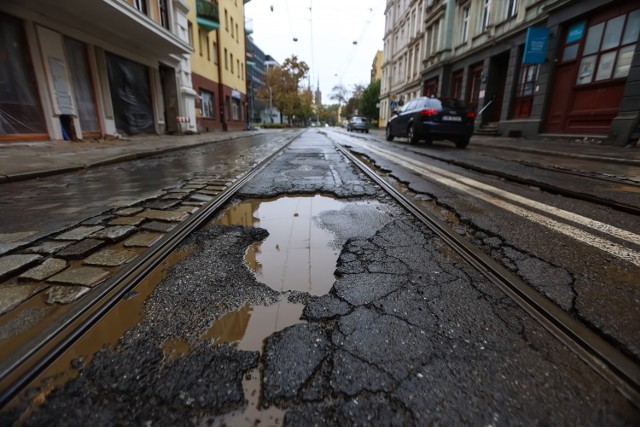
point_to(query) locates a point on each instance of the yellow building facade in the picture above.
(218, 63)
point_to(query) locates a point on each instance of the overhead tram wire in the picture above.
(312, 67)
(293, 37)
(357, 43)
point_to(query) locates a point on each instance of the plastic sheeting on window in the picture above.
(20, 109)
(76, 55)
(130, 95)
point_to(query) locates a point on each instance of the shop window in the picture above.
(527, 80)
(608, 49)
(207, 104)
(236, 109)
(20, 110)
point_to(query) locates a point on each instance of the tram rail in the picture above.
(596, 351)
(23, 367)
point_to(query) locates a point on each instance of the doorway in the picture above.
(170, 98)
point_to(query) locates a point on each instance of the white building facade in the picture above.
(72, 69)
(402, 55)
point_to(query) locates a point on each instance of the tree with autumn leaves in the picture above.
(282, 87)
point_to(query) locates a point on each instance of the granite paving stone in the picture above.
(168, 216)
(162, 227)
(81, 249)
(48, 248)
(187, 209)
(215, 187)
(12, 264)
(78, 233)
(129, 211)
(61, 294)
(23, 321)
(114, 233)
(205, 193)
(201, 197)
(174, 197)
(98, 220)
(162, 204)
(12, 296)
(110, 257)
(84, 276)
(127, 220)
(142, 240)
(45, 270)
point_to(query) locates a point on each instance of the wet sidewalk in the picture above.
(32, 159)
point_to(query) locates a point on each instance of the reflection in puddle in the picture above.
(283, 260)
(250, 325)
(253, 414)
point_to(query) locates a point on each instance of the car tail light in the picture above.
(430, 112)
(471, 114)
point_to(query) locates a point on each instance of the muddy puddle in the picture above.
(298, 254)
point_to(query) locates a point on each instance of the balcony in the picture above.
(207, 15)
(115, 21)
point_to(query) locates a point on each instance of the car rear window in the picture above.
(449, 103)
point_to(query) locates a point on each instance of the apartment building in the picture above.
(402, 54)
(72, 69)
(532, 67)
(218, 63)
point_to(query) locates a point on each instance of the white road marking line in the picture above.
(472, 187)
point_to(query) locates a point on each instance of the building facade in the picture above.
(73, 69)
(218, 62)
(402, 54)
(585, 82)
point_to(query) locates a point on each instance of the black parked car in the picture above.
(430, 118)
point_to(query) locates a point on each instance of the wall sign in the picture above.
(575, 33)
(535, 48)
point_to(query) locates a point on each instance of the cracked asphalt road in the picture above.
(408, 335)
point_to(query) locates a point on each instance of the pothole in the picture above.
(298, 254)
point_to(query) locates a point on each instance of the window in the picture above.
(236, 109)
(190, 33)
(608, 49)
(237, 35)
(512, 8)
(201, 42)
(465, 25)
(226, 20)
(238, 66)
(164, 13)
(486, 13)
(232, 33)
(141, 5)
(231, 63)
(206, 104)
(226, 59)
(527, 79)
(215, 52)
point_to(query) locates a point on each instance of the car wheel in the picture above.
(462, 142)
(388, 134)
(413, 139)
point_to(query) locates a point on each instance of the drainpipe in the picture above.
(223, 113)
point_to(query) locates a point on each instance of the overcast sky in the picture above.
(325, 31)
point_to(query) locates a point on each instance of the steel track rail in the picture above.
(22, 367)
(549, 188)
(604, 358)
